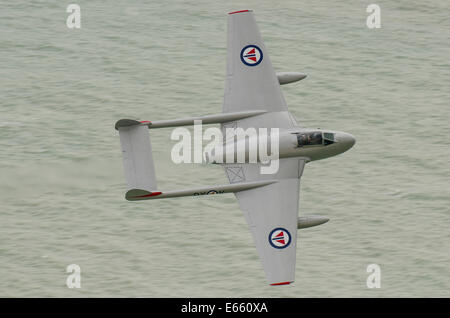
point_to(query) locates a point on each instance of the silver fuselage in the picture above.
(290, 147)
(311, 144)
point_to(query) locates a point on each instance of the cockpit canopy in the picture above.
(314, 138)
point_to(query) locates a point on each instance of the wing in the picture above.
(251, 81)
(271, 213)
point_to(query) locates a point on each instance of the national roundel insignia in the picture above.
(279, 238)
(251, 55)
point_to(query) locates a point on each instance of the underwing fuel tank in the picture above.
(290, 77)
(310, 221)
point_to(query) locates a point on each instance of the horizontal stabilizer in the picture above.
(138, 194)
(137, 155)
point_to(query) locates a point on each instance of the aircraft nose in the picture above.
(346, 140)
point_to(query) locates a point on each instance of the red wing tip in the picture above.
(239, 11)
(279, 284)
(145, 122)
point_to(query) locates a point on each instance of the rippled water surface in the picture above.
(62, 185)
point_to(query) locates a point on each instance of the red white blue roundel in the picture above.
(279, 238)
(251, 55)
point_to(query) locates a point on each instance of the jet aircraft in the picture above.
(253, 98)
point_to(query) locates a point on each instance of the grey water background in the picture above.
(62, 185)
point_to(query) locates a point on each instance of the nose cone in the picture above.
(346, 141)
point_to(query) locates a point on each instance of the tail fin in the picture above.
(137, 155)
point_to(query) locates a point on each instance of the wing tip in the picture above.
(240, 11)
